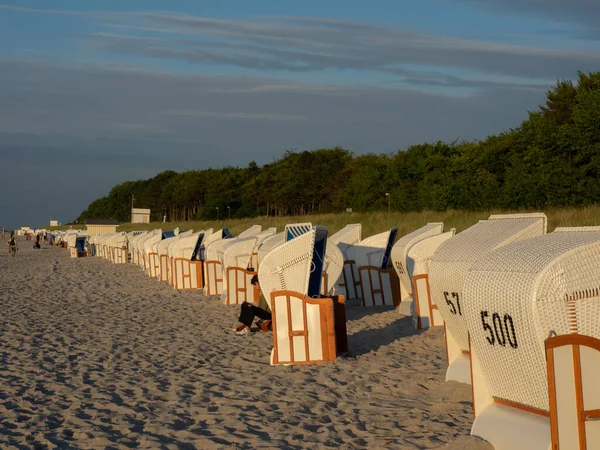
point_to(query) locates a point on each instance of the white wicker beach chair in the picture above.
(252, 231)
(142, 258)
(531, 391)
(306, 329)
(133, 246)
(117, 245)
(262, 237)
(151, 262)
(348, 236)
(240, 264)
(98, 245)
(213, 265)
(400, 261)
(367, 275)
(332, 271)
(238, 272)
(269, 244)
(162, 249)
(334, 259)
(187, 273)
(131, 242)
(76, 243)
(448, 269)
(155, 268)
(98, 242)
(424, 311)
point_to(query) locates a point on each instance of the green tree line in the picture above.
(551, 159)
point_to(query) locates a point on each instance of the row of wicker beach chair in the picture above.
(519, 306)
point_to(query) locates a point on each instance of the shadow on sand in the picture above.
(371, 340)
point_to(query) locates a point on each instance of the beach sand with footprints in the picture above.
(97, 355)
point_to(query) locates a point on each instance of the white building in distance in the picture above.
(139, 215)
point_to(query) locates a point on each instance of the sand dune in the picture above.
(96, 355)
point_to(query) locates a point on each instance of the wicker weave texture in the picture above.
(349, 235)
(402, 247)
(252, 231)
(334, 264)
(269, 244)
(163, 246)
(184, 247)
(523, 291)
(135, 245)
(449, 266)
(224, 245)
(151, 241)
(288, 266)
(369, 251)
(421, 253)
(213, 249)
(239, 253)
(212, 237)
(142, 255)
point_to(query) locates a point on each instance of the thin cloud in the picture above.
(235, 115)
(573, 12)
(306, 44)
(389, 54)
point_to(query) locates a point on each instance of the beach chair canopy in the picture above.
(151, 242)
(374, 250)
(141, 243)
(269, 244)
(450, 264)
(209, 240)
(240, 251)
(334, 265)
(296, 265)
(423, 310)
(252, 231)
(215, 250)
(349, 235)
(401, 248)
(421, 253)
(519, 295)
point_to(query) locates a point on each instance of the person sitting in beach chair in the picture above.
(249, 311)
(12, 246)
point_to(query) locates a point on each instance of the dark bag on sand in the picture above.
(36, 245)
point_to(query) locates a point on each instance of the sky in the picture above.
(95, 93)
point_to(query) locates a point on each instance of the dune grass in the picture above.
(377, 222)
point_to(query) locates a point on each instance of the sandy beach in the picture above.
(97, 355)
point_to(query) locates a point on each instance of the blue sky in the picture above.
(96, 93)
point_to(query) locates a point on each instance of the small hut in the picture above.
(101, 226)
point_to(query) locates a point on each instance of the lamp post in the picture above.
(229, 213)
(389, 196)
(217, 212)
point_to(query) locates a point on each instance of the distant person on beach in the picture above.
(37, 241)
(12, 246)
(248, 312)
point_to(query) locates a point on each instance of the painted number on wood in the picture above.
(500, 330)
(453, 301)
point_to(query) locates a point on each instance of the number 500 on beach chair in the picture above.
(533, 313)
